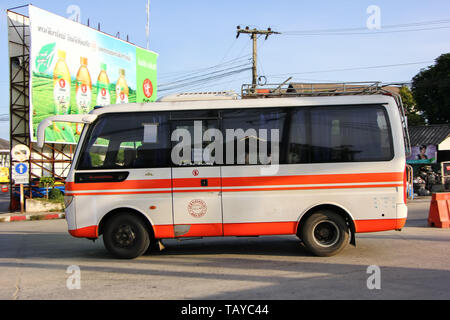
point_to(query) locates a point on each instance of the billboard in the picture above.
(74, 68)
(424, 154)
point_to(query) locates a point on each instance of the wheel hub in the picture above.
(124, 236)
(326, 233)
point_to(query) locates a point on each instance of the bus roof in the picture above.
(245, 103)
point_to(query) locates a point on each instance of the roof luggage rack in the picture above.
(286, 89)
(310, 89)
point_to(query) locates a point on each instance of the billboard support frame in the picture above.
(54, 158)
(19, 110)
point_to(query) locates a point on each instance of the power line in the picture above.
(352, 69)
(367, 33)
(207, 87)
(198, 70)
(229, 49)
(194, 85)
(185, 84)
(199, 77)
(204, 79)
(185, 73)
(202, 86)
(353, 31)
(365, 28)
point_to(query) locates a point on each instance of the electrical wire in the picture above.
(352, 69)
(229, 49)
(200, 77)
(197, 77)
(367, 33)
(185, 84)
(216, 84)
(177, 74)
(353, 31)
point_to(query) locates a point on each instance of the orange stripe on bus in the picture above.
(195, 182)
(235, 190)
(129, 184)
(259, 228)
(314, 188)
(87, 232)
(204, 230)
(164, 231)
(312, 179)
(376, 225)
(283, 181)
(248, 229)
(197, 190)
(70, 193)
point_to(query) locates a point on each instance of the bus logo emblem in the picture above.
(197, 208)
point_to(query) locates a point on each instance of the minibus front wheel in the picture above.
(125, 236)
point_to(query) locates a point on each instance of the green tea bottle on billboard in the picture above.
(103, 95)
(83, 91)
(122, 90)
(61, 85)
(83, 88)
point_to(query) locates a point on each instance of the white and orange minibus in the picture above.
(322, 168)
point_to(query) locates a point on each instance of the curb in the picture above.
(29, 217)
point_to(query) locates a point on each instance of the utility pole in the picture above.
(254, 36)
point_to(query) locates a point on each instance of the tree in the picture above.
(46, 182)
(415, 118)
(431, 90)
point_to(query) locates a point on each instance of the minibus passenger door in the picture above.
(196, 182)
(197, 201)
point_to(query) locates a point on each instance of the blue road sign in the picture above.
(21, 168)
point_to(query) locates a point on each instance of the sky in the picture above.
(200, 36)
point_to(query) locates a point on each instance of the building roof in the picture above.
(4, 144)
(432, 134)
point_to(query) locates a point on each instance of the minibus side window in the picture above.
(189, 152)
(251, 134)
(127, 141)
(350, 134)
(98, 153)
(126, 155)
(298, 148)
(94, 151)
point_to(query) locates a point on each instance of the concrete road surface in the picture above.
(40, 260)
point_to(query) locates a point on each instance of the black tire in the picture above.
(325, 233)
(125, 236)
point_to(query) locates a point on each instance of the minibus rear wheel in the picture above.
(325, 233)
(125, 236)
